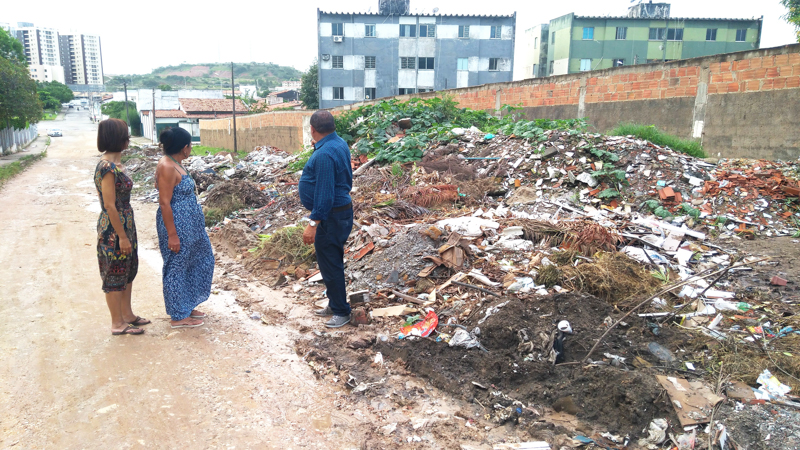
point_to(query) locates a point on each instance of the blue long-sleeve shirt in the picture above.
(327, 177)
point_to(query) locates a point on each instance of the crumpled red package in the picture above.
(423, 328)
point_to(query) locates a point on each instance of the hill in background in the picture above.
(207, 76)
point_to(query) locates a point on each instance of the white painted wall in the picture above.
(425, 78)
(326, 64)
(407, 47)
(447, 31)
(349, 62)
(406, 78)
(462, 79)
(326, 92)
(474, 64)
(325, 29)
(407, 20)
(561, 66)
(369, 78)
(386, 30)
(426, 47)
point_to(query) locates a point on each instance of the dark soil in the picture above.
(621, 400)
(243, 194)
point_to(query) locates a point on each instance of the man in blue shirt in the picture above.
(325, 191)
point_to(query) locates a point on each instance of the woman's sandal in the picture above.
(139, 321)
(128, 330)
(198, 315)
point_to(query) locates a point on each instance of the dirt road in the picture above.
(65, 382)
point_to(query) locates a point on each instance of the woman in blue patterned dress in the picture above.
(116, 231)
(182, 237)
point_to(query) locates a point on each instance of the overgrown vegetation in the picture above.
(287, 245)
(302, 158)
(19, 101)
(793, 15)
(9, 171)
(201, 150)
(309, 88)
(116, 110)
(654, 135)
(371, 127)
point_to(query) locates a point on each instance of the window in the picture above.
(369, 30)
(427, 31)
(337, 62)
(588, 33)
(463, 64)
(535, 43)
(369, 62)
(338, 93)
(408, 31)
(711, 34)
(425, 64)
(552, 38)
(657, 34)
(407, 62)
(619, 62)
(495, 32)
(551, 67)
(741, 35)
(675, 34)
(463, 31)
(369, 93)
(404, 91)
(337, 29)
(622, 33)
(421, 90)
(494, 64)
(586, 65)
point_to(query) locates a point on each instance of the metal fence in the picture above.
(12, 140)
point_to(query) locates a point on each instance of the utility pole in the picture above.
(127, 116)
(233, 97)
(155, 129)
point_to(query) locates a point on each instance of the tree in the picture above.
(309, 88)
(164, 87)
(19, 101)
(48, 101)
(57, 90)
(116, 110)
(793, 15)
(11, 49)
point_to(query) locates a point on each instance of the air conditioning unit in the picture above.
(338, 39)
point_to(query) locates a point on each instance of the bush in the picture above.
(654, 135)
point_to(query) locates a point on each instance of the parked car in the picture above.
(55, 132)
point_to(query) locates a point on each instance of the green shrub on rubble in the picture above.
(368, 129)
(302, 158)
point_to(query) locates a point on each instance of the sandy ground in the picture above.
(65, 382)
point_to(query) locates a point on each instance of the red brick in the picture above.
(768, 85)
(794, 58)
(772, 72)
(777, 281)
(756, 63)
(793, 82)
(768, 61)
(781, 60)
(779, 83)
(733, 87)
(752, 85)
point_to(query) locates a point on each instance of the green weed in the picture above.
(201, 150)
(654, 135)
(9, 171)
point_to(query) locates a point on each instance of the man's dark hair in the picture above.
(323, 122)
(112, 136)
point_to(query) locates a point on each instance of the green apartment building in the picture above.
(646, 35)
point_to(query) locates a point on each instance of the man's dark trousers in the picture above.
(329, 244)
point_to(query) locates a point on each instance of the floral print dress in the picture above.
(116, 270)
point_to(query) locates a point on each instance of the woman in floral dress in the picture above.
(116, 231)
(182, 237)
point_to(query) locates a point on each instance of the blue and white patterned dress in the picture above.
(188, 273)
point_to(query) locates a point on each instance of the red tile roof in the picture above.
(208, 105)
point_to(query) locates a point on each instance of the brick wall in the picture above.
(286, 130)
(739, 104)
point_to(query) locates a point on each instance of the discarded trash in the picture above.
(661, 352)
(656, 434)
(693, 401)
(534, 445)
(422, 328)
(565, 327)
(771, 384)
(463, 338)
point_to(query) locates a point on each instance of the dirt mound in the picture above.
(234, 238)
(236, 194)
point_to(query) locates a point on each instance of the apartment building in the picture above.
(363, 56)
(82, 59)
(41, 50)
(646, 34)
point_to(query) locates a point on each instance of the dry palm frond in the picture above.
(590, 237)
(428, 196)
(550, 234)
(403, 210)
(612, 277)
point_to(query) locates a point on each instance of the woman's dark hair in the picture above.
(174, 140)
(112, 136)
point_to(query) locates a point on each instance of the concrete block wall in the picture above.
(740, 105)
(286, 130)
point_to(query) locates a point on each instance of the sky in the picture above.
(146, 34)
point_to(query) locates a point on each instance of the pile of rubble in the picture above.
(536, 255)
